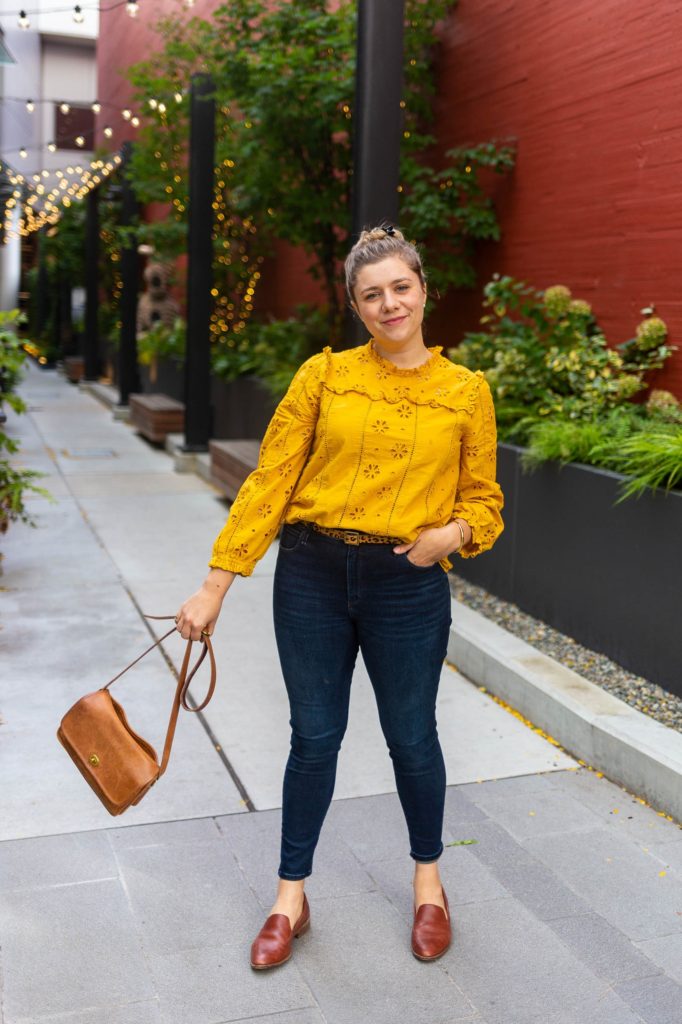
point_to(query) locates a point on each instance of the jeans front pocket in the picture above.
(291, 536)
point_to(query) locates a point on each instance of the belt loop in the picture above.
(305, 532)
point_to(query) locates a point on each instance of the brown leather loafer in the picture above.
(272, 945)
(431, 931)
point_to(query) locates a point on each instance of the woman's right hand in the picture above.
(200, 612)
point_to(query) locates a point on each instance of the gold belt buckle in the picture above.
(352, 538)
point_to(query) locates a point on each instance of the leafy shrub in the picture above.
(274, 351)
(14, 483)
(545, 356)
(162, 342)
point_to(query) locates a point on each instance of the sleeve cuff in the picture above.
(232, 565)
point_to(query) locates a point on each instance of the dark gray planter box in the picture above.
(242, 408)
(608, 575)
(168, 379)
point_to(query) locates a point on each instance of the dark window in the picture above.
(78, 121)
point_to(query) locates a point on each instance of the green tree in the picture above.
(285, 77)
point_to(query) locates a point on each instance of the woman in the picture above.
(380, 463)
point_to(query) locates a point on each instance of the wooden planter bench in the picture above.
(155, 416)
(231, 463)
(74, 368)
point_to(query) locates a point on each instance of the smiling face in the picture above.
(389, 299)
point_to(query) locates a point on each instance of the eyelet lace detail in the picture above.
(438, 382)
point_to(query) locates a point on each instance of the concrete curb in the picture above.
(629, 747)
(108, 395)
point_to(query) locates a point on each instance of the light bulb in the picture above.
(108, 131)
(132, 7)
(64, 107)
(78, 15)
(30, 106)
(96, 107)
(80, 140)
(135, 122)
(24, 21)
(126, 114)
(23, 153)
(52, 146)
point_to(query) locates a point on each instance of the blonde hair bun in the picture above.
(376, 244)
(376, 234)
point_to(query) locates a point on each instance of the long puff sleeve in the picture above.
(263, 497)
(479, 499)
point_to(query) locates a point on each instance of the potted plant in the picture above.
(593, 509)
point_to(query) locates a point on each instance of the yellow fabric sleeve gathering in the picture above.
(358, 443)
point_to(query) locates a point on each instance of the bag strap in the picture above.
(184, 680)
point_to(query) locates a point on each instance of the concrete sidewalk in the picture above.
(566, 897)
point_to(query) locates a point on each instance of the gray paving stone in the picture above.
(374, 827)
(538, 782)
(621, 882)
(360, 968)
(188, 896)
(657, 1000)
(459, 807)
(616, 807)
(255, 841)
(55, 860)
(604, 949)
(669, 854)
(528, 812)
(309, 1015)
(524, 876)
(69, 947)
(165, 833)
(465, 880)
(666, 953)
(513, 968)
(207, 986)
(129, 1013)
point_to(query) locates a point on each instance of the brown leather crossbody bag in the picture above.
(119, 765)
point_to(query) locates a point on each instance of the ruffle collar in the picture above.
(440, 384)
(423, 370)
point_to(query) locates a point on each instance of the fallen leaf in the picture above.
(462, 842)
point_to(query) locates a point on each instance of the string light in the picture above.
(132, 7)
(78, 15)
(108, 131)
(52, 146)
(23, 20)
(96, 107)
(30, 106)
(126, 114)
(80, 140)
(65, 108)
(23, 153)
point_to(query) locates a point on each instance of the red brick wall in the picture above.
(589, 91)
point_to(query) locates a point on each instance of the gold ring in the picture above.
(205, 632)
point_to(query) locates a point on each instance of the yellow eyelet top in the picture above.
(359, 443)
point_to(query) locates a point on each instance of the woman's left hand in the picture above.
(433, 545)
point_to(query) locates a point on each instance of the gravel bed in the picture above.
(640, 693)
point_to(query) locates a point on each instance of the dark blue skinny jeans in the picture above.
(331, 599)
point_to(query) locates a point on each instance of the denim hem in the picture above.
(427, 860)
(293, 878)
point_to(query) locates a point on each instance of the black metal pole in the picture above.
(91, 340)
(378, 122)
(200, 264)
(42, 299)
(128, 377)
